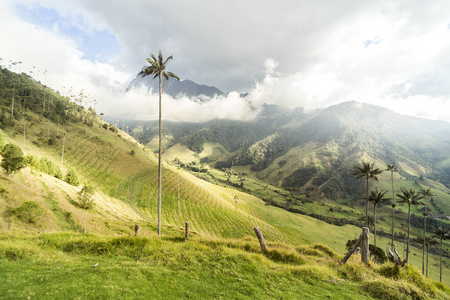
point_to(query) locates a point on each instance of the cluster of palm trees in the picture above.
(409, 196)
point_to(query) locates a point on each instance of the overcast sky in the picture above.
(292, 53)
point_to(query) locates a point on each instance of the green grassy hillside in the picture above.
(123, 174)
(68, 265)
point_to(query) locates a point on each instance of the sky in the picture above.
(293, 53)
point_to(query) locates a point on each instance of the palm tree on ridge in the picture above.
(377, 197)
(393, 169)
(442, 234)
(426, 193)
(368, 171)
(410, 197)
(157, 68)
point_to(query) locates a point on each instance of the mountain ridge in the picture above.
(175, 88)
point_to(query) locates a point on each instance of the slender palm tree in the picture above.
(268, 203)
(442, 234)
(430, 241)
(368, 171)
(157, 68)
(393, 169)
(377, 197)
(426, 193)
(410, 197)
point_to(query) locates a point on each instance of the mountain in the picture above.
(177, 88)
(314, 154)
(57, 136)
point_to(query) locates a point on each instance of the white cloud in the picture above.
(301, 53)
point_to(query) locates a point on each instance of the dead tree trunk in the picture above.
(363, 239)
(365, 253)
(261, 239)
(396, 259)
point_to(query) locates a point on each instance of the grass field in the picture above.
(124, 176)
(80, 266)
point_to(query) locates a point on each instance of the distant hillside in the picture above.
(177, 88)
(314, 154)
(277, 173)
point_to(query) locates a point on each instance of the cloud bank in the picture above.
(301, 53)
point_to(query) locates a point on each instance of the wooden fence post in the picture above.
(84, 229)
(261, 239)
(136, 229)
(365, 254)
(9, 226)
(355, 246)
(186, 229)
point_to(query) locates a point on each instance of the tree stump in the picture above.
(260, 237)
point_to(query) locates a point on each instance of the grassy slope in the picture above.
(103, 157)
(61, 266)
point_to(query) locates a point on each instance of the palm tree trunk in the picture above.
(428, 246)
(374, 225)
(367, 202)
(440, 263)
(424, 238)
(159, 162)
(407, 245)
(393, 209)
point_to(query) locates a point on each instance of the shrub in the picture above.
(13, 159)
(86, 196)
(32, 162)
(72, 178)
(28, 212)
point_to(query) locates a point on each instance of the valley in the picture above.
(288, 173)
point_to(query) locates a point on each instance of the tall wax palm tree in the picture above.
(410, 197)
(393, 169)
(377, 197)
(368, 171)
(157, 68)
(430, 241)
(442, 234)
(426, 193)
(268, 203)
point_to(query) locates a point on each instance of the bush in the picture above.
(32, 162)
(86, 196)
(28, 212)
(72, 178)
(13, 159)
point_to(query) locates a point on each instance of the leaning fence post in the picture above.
(186, 229)
(261, 239)
(365, 254)
(349, 253)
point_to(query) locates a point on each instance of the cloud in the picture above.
(301, 53)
